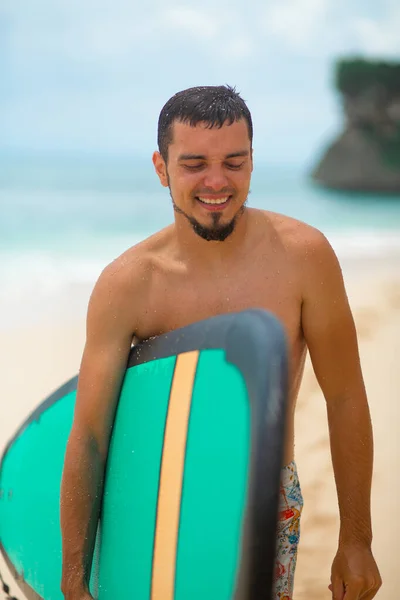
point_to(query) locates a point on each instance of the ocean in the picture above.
(63, 219)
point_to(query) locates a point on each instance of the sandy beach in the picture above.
(37, 359)
(375, 301)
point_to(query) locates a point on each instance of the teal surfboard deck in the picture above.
(192, 479)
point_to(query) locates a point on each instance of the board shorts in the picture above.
(288, 533)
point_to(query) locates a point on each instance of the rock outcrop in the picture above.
(366, 155)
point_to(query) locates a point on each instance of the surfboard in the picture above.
(192, 479)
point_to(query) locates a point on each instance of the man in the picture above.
(221, 256)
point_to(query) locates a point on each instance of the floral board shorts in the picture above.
(288, 533)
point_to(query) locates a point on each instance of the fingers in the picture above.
(355, 589)
(369, 595)
(372, 591)
(363, 589)
(338, 590)
(352, 592)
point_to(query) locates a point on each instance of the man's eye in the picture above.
(194, 167)
(234, 167)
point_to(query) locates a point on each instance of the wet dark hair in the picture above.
(213, 105)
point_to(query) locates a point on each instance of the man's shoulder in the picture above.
(305, 246)
(134, 267)
(294, 233)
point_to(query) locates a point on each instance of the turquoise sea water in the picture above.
(63, 219)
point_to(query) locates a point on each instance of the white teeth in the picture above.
(216, 201)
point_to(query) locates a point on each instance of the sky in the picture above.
(91, 77)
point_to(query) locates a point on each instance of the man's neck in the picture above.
(198, 251)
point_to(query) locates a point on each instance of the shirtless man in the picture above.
(220, 256)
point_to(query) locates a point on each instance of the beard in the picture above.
(217, 231)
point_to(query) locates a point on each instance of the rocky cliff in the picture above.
(366, 155)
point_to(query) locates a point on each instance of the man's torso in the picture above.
(175, 293)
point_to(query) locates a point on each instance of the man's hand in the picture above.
(355, 575)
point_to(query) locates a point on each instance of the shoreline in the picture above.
(66, 299)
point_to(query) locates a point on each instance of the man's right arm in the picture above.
(108, 343)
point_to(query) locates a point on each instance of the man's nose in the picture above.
(215, 178)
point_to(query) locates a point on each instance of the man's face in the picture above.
(208, 173)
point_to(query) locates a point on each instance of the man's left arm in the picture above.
(331, 338)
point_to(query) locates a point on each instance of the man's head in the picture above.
(205, 158)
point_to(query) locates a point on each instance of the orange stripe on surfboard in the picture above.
(171, 477)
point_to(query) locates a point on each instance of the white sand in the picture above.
(375, 300)
(37, 359)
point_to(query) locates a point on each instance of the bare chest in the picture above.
(176, 301)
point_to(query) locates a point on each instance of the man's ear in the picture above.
(161, 168)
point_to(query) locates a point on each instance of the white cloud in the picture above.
(111, 38)
(381, 38)
(322, 28)
(240, 47)
(219, 35)
(191, 21)
(296, 22)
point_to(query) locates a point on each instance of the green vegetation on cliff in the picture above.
(354, 76)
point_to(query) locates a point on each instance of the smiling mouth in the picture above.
(214, 202)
